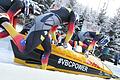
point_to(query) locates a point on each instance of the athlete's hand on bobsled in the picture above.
(65, 45)
(55, 42)
(87, 53)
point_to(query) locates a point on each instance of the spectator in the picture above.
(116, 58)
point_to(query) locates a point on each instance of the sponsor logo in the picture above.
(72, 64)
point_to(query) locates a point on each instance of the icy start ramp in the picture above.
(15, 72)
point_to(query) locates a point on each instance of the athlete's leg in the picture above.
(33, 40)
(95, 39)
(16, 8)
(46, 44)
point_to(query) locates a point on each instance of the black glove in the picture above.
(24, 31)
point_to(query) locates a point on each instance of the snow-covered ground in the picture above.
(115, 69)
(10, 71)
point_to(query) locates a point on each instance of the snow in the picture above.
(115, 69)
(6, 53)
(14, 72)
(11, 71)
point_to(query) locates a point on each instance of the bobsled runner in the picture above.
(61, 59)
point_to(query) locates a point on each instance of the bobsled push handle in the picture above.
(10, 29)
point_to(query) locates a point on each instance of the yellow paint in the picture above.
(10, 29)
(16, 60)
(44, 66)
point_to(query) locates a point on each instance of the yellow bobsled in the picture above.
(64, 60)
(61, 59)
